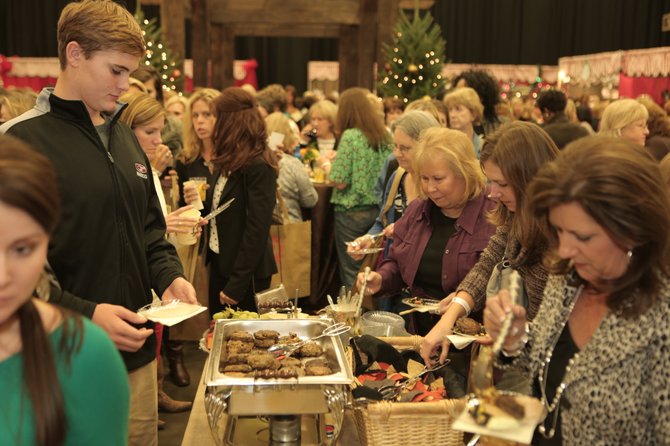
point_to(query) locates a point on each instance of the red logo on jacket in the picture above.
(140, 168)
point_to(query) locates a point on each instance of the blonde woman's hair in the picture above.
(141, 109)
(327, 109)
(193, 146)
(176, 99)
(98, 25)
(468, 98)
(424, 105)
(457, 150)
(620, 114)
(278, 122)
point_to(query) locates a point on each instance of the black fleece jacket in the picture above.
(109, 246)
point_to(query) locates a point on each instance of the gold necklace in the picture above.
(542, 377)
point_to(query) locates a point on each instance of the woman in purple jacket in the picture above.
(441, 235)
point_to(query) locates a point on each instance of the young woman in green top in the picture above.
(62, 380)
(364, 146)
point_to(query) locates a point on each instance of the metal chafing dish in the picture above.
(307, 410)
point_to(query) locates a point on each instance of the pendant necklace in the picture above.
(542, 376)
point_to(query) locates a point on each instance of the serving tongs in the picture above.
(218, 210)
(392, 392)
(289, 349)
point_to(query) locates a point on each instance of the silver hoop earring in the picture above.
(629, 254)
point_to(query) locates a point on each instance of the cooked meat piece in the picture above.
(318, 370)
(264, 343)
(243, 368)
(262, 361)
(290, 362)
(509, 405)
(310, 350)
(292, 338)
(243, 336)
(237, 358)
(319, 362)
(266, 334)
(467, 326)
(238, 347)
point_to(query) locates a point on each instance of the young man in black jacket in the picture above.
(109, 249)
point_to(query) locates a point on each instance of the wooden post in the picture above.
(223, 55)
(173, 25)
(367, 44)
(348, 56)
(200, 42)
(387, 16)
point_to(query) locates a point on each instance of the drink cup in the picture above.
(197, 204)
(189, 238)
(201, 183)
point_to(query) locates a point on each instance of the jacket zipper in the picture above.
(117, 204)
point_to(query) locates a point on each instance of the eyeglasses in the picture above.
(402, 149)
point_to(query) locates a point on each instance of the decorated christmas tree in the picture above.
(158, 55)
(414, 59)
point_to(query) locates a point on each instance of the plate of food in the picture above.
(170, 313)
(365, 250)
(416, 302)
(465, 331)
(506, 415)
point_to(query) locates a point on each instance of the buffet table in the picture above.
(325, 277)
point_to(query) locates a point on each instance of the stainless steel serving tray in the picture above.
(304, 328)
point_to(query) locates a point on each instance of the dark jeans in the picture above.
(217, 283)
(350, 225)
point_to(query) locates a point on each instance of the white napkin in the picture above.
(170, 314)
(461, 341)
(507, 428)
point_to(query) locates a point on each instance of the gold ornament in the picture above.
(412, 68)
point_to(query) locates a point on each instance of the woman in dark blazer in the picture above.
(240, 248)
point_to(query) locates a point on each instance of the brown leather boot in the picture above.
(167, 404)
(174, 350)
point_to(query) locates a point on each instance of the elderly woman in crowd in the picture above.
(62, 380)
(364, 146)
(295, 187)
(510, 158)
(625, 118)
(400, 186)
(465, 109)
(597, 350)
(319, 134)
(440, 236)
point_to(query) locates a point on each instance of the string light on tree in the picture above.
(158, 55)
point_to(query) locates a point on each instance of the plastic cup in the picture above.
(197, 203)
(201, 182)
(189, 238)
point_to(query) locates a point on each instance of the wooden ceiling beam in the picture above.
(297, 13)
(271, 30)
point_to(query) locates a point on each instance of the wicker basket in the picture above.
(425, 423)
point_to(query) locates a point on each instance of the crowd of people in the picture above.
(98, 176)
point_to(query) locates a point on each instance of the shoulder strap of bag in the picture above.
(392, 193)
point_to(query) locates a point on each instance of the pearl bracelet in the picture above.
(463, 303)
